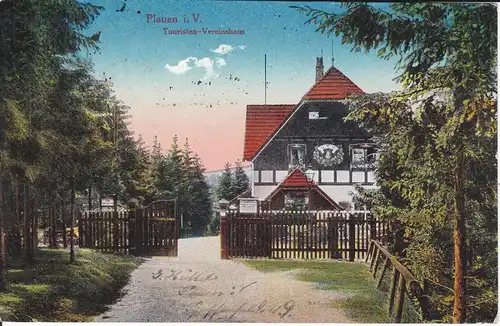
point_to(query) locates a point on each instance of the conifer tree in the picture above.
(225, 189)
(241, 182)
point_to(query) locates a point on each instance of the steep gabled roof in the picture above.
(264, 121)
(298, 180)
(261, 122)
(333, 86)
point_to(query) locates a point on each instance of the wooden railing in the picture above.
(402, 281)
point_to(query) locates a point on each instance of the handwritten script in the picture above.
(196, 291)
(203, 298)
(187, 275)
(223, 311)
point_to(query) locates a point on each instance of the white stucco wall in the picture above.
(281, 175)
(328, 176)
(262, 192)
(341, 193)
(266, 176)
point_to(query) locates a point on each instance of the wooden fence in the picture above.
(402, 281)
(107, 231)
(299, 234)
(140, 232)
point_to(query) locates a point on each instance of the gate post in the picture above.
(223, 235)
(138, 228)
(352, 237)
(115, 231)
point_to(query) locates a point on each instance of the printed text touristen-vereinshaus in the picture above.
(203, 31)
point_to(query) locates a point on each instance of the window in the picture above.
(358, 156)
(296, 200)
(363, 156)
(316, 115)
(313, 115)
(296, 156)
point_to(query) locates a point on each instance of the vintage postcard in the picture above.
(248, 161)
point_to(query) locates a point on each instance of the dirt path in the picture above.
(199, 287)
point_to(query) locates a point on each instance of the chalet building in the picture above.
(305, 154)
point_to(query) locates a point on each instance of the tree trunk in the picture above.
(460, 263)
(27, 222)
(53, 234)
(90, 198)
(34, 245)
(72, 220)
(17, 223)
(63, 219)
(3, 242)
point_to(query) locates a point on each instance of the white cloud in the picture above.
(182, 67)
(226, 48)
(206, 63)
(221, 62)
(223, 49)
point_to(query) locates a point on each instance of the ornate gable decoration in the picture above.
(328, 155)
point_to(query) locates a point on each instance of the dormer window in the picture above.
(316, 115)
(313, 115)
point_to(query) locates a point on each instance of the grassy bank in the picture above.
(364, 303)
(55, 290)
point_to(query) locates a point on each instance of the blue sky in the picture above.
(167, 100)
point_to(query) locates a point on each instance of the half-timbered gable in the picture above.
(312, 137)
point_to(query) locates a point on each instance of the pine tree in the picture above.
(437, 138)
(240, 182)
(225, 188)
(201, 199)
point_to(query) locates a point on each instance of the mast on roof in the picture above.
(265, 79)
(332, 53)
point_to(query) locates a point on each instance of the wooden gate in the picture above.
(152, 230)
(157, 229)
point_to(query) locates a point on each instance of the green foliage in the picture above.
(240, 182)
(225, 189)
(54, 290)
(179, 174)
(445, 115)
(232, 184)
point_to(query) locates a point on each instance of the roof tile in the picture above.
(261, 122)
(333, 86)
(296, 178)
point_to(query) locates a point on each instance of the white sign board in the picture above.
(248, 205)
(107, 202)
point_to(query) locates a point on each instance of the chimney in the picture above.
(319, 68)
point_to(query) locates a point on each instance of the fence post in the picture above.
(386, 265)
(392, 291)
(223, 236)
(115, 231)
(400, 301)
(352, 236)
(329, 225)
(377, 260)
(130, 237)
(368, 254)
(373, 228)
(138, 228)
